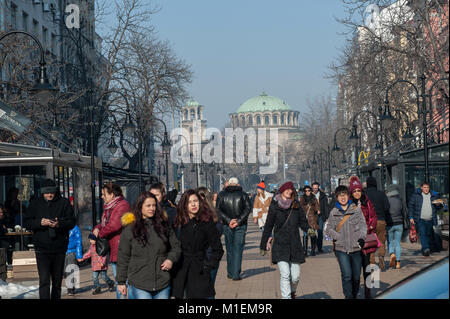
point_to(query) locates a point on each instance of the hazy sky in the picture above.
(238, 48)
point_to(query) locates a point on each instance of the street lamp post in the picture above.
(421, 111)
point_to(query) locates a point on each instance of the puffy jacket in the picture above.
(234, 203)
(113, 227)
(415, 206)
(45, 238)
(75, 243)
(355, 228)
(141, 265)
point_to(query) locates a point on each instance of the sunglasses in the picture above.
(308, 191)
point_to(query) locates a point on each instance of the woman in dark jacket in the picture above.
(285, 216)
(197, 232)
(148, 249)
(359, 197)
(310, 206)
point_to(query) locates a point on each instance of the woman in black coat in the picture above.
(197, 232)
(285, 216)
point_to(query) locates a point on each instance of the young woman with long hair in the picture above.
(197, 232)
(310, 206)
(148, 249)
(359, 197)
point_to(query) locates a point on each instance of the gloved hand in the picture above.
(361, 243)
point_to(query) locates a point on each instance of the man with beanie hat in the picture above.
(381, 204)
(234, 206)
(261, 205)
(50, 217)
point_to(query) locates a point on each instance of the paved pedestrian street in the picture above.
(319, 275)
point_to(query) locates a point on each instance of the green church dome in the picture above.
(262, 103)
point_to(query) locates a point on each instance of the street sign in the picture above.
(286, 166)
(306, 182)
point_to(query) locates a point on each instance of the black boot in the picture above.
(305, 245)
(313, 245)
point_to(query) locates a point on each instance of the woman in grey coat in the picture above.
(348, 229)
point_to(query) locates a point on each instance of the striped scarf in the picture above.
(107, 208)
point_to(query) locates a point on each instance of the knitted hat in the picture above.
(355, 183)
(371, 181)
(286, 186)
(261, 185)
(48, 186)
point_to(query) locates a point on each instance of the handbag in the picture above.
(102, 246)
(412, 234)
(371, 242)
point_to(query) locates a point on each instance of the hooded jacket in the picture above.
(141, 265)
(234, 203)
(45, 238)
(379, 200)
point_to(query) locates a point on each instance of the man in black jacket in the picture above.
(323, 213)
(234, 206)
(381, 204)
(50, 218)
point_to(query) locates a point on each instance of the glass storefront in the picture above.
(439, 180)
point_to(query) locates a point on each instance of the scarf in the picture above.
(107, 208)
(283, 203)
(309, 198)
(340, 207)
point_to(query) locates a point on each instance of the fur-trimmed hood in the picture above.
(127, 219)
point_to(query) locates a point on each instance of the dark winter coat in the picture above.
(192, 272)
(415, 206)
(45, 238)
(234, 203)
(324, 207)
(380, 202)
(113, 227)
(141, 265)
(396, 210)
(287, 245)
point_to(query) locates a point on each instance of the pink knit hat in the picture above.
(286, 186)
(355, 184)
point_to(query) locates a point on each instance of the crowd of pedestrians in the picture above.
(167, 246)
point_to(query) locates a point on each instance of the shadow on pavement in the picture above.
(253, 272)
(316, 295)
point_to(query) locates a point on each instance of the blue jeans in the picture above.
(426, 234)
(350, 265)
(96, 274)
(289, 278)
(136, 293)
(320, 233)
(114, 268)
(234, 242)
(394, 238)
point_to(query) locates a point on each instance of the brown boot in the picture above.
(393, 260)
(293, 295)
(381, 262)
(398, 265)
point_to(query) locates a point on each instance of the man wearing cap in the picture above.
(50, 217)
(261, 205)
(234, 205)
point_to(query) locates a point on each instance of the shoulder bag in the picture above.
(338, 229)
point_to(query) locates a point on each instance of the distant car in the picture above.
(428, 283)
